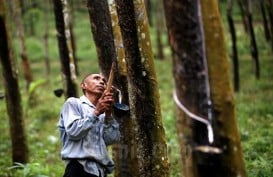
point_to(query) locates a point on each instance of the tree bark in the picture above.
(242, 7)
(12, 93)
(265, 21)
(69, 35)
(143, 90)
(253, 44)
(159, 25)
(70, 85)
(125, 151)
(32, 17)
(107, 49)
(102, 33)
(203, 91)
(16, 9)
(226, 129)
(235, 60)
(73, 41)
(269, 8)
(148, 7)
(45, 38)
(186, 41)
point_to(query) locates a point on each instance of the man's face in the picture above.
(94, 84)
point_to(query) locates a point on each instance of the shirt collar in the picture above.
(84, 99)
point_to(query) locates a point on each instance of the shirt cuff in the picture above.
(93, 118)
(108, 120)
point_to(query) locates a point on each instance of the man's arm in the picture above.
(75, 125)
(111, 131)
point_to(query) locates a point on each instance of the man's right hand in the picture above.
(104, 104)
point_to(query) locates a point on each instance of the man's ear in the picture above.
(83, 85)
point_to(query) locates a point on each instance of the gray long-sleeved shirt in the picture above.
(85, 136)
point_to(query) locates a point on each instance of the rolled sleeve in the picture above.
(111, 132)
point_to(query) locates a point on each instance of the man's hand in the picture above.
(104, 104)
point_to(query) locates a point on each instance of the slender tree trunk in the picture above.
(70, 85)
(160, 50)
(32, 18)
(270, 17)
(23, 7)
(253, 44)
(242, 7)
(159, 21)
(265, 21)
(143, 90)
(73, 41)
(73, 45)
(69, 38)
(45, 38)
(16, 8)
(12, 93)
(235, 60)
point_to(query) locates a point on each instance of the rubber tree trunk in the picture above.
(148, 5)
(102, 33)
(265, 21)
(242, 7)
(185, 38)
(253, 44)
(143, 90)
(69, 35)
(12, 93)
(124, 154)
(110, 50)
(68, 72)
(269, 7)
(203, 90)
(16, 9)
(30, 23)
(226, 130)
(235, 60)
(159, 27)
(45, 38)
(72, 37)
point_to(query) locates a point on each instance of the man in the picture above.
(87, 127)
